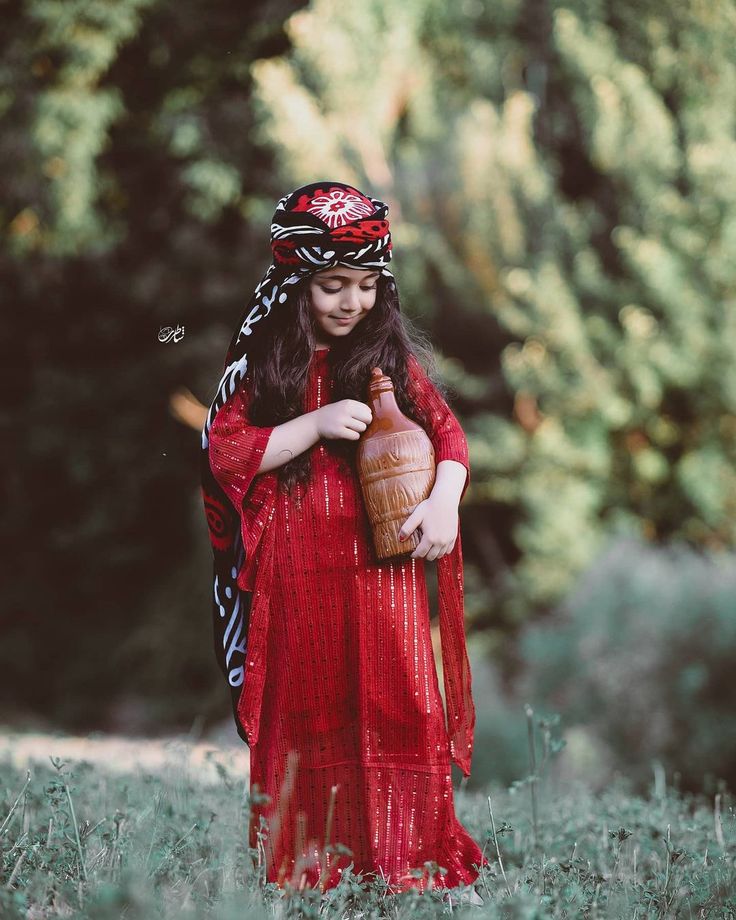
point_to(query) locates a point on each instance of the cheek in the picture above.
(320, 304)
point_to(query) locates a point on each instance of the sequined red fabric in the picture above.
(341, 700)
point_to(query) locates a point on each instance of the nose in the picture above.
(351, 300)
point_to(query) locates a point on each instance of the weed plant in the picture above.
(77, 841)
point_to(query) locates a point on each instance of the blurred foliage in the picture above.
(128, 173)
(642, 655)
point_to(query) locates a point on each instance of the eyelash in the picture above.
(337, 290)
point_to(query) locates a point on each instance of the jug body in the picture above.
(396, 468)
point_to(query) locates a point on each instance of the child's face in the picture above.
(338, 293)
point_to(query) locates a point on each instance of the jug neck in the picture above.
(381, 394)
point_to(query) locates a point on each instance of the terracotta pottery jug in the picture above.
(396, 468)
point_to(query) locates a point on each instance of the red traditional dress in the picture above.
(341, 700)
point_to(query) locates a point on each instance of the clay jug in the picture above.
(396, 468)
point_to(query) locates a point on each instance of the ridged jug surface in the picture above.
(396, 468)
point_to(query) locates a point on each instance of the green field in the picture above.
(82, 839)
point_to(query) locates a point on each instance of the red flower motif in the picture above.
(335, 206)
(219, 522)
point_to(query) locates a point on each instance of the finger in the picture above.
(409, 526)
(361, 410)
(445, 550)
(422, 548)
(438, 550)
(434, 552)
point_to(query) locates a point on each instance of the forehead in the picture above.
(342, 273)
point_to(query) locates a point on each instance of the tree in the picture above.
(130, 183)
(561, 180)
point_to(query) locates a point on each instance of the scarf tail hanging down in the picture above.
(449, 443)
(455, 663)
(251, 697)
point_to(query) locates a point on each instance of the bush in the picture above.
(500, 752)
(642, 654)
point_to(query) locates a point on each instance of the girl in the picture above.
(326, 649)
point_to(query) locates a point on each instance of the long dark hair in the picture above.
(277, 375)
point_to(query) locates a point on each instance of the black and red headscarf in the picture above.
(315, 227)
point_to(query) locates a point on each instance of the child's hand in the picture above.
(346, 418)
(439, 521)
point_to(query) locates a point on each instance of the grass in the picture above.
(77, 840)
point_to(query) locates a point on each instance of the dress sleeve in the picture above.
(236, 448)
(447, 437)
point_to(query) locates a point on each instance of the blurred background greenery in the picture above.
(562, 184)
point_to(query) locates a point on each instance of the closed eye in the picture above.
(371, 287)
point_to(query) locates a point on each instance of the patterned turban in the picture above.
(315, 227)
